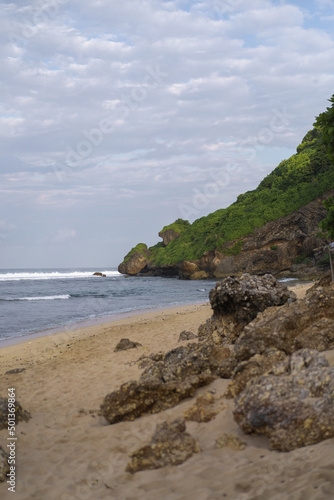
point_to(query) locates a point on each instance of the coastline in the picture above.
(68, 451)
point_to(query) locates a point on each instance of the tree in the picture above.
(326, 122)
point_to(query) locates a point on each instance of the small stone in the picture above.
(126, 344)
(231, 441)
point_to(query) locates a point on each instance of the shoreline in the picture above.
(67, 450)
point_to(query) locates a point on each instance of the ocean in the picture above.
(38, 300)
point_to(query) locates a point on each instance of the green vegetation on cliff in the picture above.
(295, 182)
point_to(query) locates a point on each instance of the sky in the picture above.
(119, 116)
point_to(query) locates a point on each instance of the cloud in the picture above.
(117, 109)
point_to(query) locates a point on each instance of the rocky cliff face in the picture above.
(279, 247)
(283, 246)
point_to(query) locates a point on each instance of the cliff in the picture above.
(273, 228)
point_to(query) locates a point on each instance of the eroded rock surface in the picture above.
(185, 335)
(203, 409)
(170, 445)
(20, 413)
(294, 405)
(237, 301)
(307, 323)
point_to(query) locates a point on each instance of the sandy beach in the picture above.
(67, 451)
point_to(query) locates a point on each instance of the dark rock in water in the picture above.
(134, 399)
(293, 406)
(237, 301)
(100, 274)
(20, 413)
(4, 467)
(125, 344)
(186, 336)
(306, 323)
(170, 445)
(255, 366)
(15, 370)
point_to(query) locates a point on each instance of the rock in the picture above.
(306, 323)
(136, 398)
(170, 445)
(125, 344)
(136, 262)
(237, 301)
(168, 236)
(145, 361)
(202, 410)
(20, 413)
(325, 281)
(15, 370)
(231, 441)
(255, 366)
(293, 406)
(4, 467)
(186, 336)
(100, 274)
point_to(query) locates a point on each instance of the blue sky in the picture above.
(119, 117)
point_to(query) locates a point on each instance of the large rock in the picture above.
(20, 413)
(293, 406)
(136, 262)
(306, 323)
(169, 235)
(4, 467)
(170, 445)
(237, 301)
(134, 398)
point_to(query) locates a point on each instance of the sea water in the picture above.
(35, 300)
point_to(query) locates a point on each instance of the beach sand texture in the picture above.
(66, 451)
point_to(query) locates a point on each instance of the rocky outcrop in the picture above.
(293, 406)
(4, 467)
(186, 336)
(170, 445)
(20, 414)
(136, 263)
(125, 344)
(237, 301)
(306, 323)
(168, 236)
(136, 398)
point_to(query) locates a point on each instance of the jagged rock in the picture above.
(170, 445)
(231, 441)
(20, 413)
(186, 336)
(125, 344)
(306, 323)
(255, 366)
(237, 301)
(186, 361)
(325, 281)
(294, 406)
(135, 398)
(4, 467)
(145, 361)
(227, 367)
(100, 274)
(202, 410)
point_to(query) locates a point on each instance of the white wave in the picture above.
(16, 276)
(47, 297)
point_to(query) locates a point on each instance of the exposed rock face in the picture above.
(306, 323)
(170, 445)
(237, 301)
(255, 366)
(4, 467)
(20, 413)
(294, 406)
(134, 399)
(125, 344)
(136, 263)
(168, 236)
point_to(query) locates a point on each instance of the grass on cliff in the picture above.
(294, 183)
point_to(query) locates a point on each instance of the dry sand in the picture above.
(66, 451)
